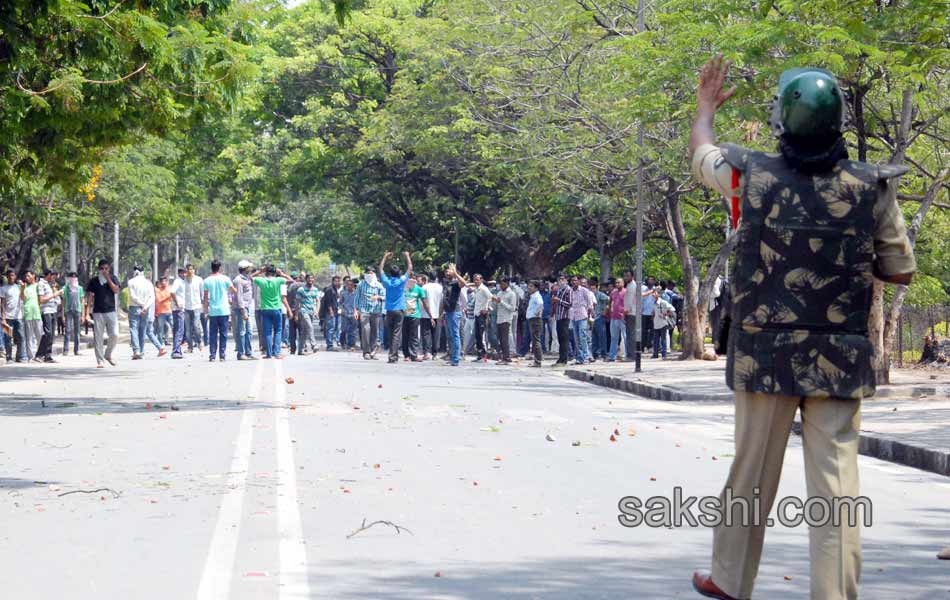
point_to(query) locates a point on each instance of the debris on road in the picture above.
(114, 493)
(944, 554)
(549, 437)
(613, 438)
(289, 380)
(576, 443)
(438, 573)
(399, 528)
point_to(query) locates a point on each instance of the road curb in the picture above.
(654, 391)
(875, 445)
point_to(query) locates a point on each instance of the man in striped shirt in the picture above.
(369, 310)
(561, 307)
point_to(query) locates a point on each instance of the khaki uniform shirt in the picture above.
(893, 252)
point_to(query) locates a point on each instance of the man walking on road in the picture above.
(100, 298)
(193, 288)
(506, 310)
(368, 310)
(395, 285)
(177, 290)
(141, 301)
(217, 287)
(308, 297)
(631, 289)
(816, 228)
(50, 302)
(581, 309)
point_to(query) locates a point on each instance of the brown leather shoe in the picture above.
(703, 583)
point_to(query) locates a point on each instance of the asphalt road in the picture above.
(232, 483)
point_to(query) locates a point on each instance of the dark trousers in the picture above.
(431, 335)
(292, 325)
(218, 335)
(410, 337)
(535, 326)
(73, 318)
(49, 331)
(480, 335)
(15, 339)
(369, 332)
(178, 331)
(631, 345)
(394, 320)
(504, 340)
(646, 329)
(563, 327)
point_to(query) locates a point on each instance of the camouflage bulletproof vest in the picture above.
(802, 277)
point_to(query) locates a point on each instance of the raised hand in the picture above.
(712, 77)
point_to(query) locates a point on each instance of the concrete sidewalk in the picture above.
(908, 422)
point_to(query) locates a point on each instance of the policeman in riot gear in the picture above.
(815, 229)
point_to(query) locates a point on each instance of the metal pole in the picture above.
(73, 263)
(177, 252)
(456, 227)
(115, 265)
(154, 262)
(637, 335)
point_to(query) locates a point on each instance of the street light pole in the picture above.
(73, 263)
(637, 325)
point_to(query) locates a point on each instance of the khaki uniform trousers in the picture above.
(830, 439)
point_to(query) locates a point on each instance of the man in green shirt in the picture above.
(272, 299)
(415, 295)
(32, 318)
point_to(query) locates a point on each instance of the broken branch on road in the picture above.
(114, 493)
(399, 528)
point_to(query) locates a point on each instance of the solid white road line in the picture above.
(294, 582)
(219, 565)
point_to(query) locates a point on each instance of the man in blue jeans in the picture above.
(581, 310)
(273, 298)
(141, 300)
(242, 310)
(218, 307)
(452, 292)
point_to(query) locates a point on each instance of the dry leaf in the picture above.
(289, 380)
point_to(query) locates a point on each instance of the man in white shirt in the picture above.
(193, 288)
(533, 315)
(482, 308)
(431, 313)
(177, 290)
(630, 313)
(50, 302)
(141, 301)
(11, 312)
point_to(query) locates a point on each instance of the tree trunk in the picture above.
(881, 361)
(606, 267)
(692, 336)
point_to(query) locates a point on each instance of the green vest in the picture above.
(802, 278)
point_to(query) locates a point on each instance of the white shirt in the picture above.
(433, 298)
(283, 294)
(535, 306)
(141, 292)
(193, 291)
(482, 299)
(630, 298)
(716, 292)
(177, 290)
(50, 307)
(11, 301)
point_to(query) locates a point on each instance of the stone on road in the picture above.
(255, 488)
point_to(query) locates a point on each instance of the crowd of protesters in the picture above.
(418, 316)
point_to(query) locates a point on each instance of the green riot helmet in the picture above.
(809, 105)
